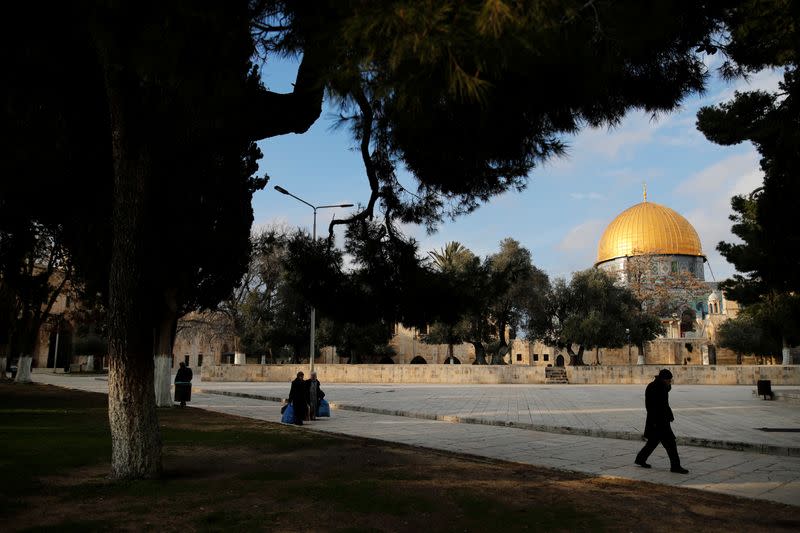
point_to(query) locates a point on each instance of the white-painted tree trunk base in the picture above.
(640, 359)
(239, 358)
(787, 356)
(24, 369)
(90, 363)
(163, 380)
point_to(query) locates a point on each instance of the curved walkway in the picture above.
(723, 415)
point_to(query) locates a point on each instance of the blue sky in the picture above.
(568, 202)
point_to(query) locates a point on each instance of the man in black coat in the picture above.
(298, 397)
(657, 426)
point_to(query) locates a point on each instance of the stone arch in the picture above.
(559, 360)
(419, 360)
(452, 361)
(386, 360)
(713, 303)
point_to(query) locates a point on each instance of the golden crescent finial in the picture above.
(644, 190)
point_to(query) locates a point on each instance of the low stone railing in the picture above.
(506, 374)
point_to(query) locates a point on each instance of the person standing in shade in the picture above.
(299, 399)
(315, 395)
(183, 385)
(657, 426)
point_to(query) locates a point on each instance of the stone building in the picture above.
(672, 247)
(205, 338)
(653, 230)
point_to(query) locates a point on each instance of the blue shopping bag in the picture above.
(324, 408)
(288, 415)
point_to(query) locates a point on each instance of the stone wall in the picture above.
(685, 374)
(506, 374)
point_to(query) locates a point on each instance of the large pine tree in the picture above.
(467, 95)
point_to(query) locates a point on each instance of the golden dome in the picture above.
(648, 228)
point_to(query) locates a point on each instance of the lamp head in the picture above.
(281, 189)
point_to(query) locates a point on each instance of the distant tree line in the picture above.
(454, 295)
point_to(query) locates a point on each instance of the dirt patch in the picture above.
(224, 473)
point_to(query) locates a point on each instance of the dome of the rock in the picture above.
(648, 229)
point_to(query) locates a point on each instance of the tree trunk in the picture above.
(786, 353)
(504, 348)
(135, 437)
(480, 353)
(31, 348)
(575, 359)
(162, 379)
(4, 352)
(497, 357)
(24, 369)
(165, 339)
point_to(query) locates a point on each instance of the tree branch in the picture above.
(268, 28)
(367, 117)
(281, 113)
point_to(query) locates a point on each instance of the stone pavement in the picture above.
(721, 416)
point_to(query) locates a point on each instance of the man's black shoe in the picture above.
(679, 470)
(643, 464)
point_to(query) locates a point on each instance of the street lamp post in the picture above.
(628, 339)
(314, 238)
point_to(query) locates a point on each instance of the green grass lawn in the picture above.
(225, 473)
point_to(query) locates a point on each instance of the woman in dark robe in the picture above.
(183, 384)
(298, 397)
(315, 395)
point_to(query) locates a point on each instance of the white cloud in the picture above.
(577, 250)
(582, 237)
(712, 61)
(766, 80)
(712, 189)
(617, 142)
(736, 174)
(626, 178)
(586, 196)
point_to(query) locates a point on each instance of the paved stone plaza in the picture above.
(721, 419)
